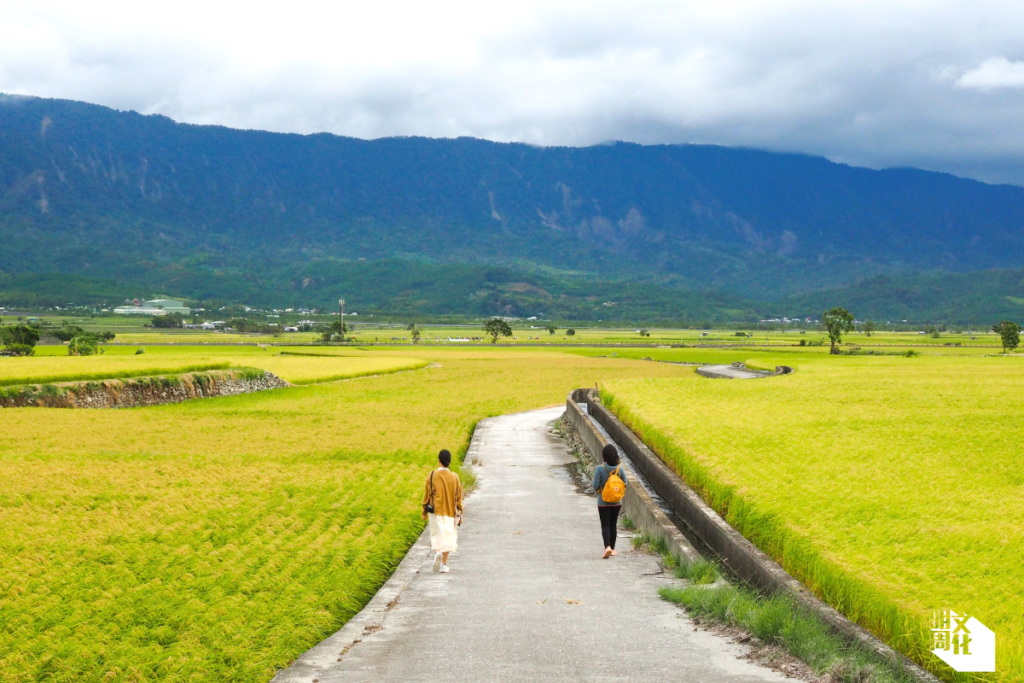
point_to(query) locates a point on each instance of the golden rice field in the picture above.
(50, 369)
(891, 486)
(216, 540)
(326, 368)
(118, 363)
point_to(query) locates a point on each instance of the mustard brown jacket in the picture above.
(447, 492)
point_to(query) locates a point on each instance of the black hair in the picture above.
(445, 457)
(610, 454)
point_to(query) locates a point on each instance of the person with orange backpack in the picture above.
(610, 485)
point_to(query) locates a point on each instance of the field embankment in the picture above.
(889, 486)
(144, 391)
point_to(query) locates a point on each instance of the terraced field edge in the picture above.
(143, 391)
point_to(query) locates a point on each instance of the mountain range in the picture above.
(102, 203)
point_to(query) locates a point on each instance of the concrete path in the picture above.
(528, 597)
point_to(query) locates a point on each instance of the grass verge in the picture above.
(775, 620)
(779, 621)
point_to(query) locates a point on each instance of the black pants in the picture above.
(609, 521)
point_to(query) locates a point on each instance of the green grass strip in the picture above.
(778, 620)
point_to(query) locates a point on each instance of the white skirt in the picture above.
(444, 535)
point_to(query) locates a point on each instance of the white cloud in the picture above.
(852, 80)
(994, 73)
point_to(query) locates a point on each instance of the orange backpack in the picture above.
(614, 489)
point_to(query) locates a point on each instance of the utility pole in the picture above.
(341, 317)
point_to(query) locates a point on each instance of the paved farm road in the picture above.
(528, 597)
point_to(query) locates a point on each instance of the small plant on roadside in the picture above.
(700, 571)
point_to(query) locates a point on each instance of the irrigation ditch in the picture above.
(678, 520)
(140, 391)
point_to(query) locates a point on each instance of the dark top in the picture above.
(601, 477)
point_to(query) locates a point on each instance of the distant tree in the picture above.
(334, 332)
(497, 327)
(67, 332)
(84, 345)
(415, 335)
(411, 327)
(168, 321)
(552, 329)
(869, 327)
(21, 336)
(570, 332)
(107, 336)
(837, 321)
(644, 333)
(1009, 333)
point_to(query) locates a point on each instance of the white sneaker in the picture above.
(437, 562)
(444, 569)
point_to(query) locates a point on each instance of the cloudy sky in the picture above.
(938, 85)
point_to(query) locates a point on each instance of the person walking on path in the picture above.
(442, 508)
(610, 485)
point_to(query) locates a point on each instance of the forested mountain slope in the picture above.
(95, 192)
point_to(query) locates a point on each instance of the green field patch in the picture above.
(889, 486)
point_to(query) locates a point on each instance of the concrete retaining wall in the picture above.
(138, 392)
(741, 556)
(638, 505)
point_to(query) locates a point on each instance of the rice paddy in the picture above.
(891, 486)
(50, 369)
(216, 540)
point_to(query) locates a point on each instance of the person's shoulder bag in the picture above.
(428, 507)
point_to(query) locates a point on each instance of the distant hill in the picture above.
(986, 296)
(213, 212)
